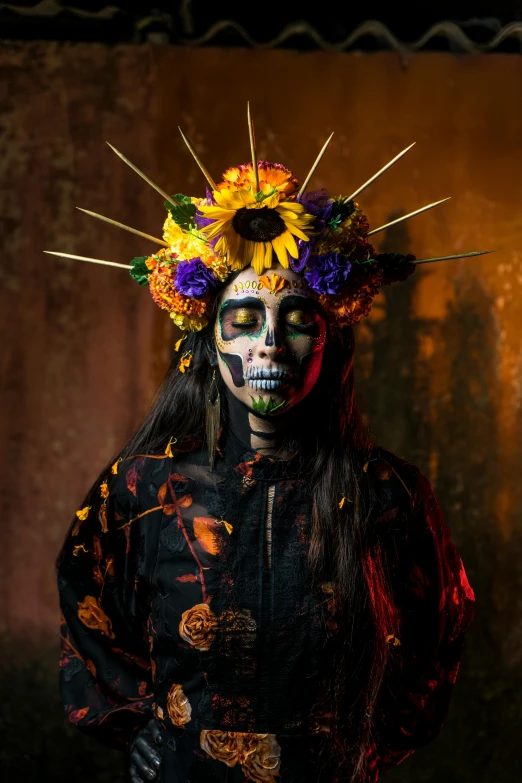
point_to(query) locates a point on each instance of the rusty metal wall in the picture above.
(82, 348)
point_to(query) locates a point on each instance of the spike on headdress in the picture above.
(140, 173)
(408, 216)
(253, 152)
(124, 227)
(86, 258)
(198, 161)
(315, 165)
(449, 258)
(381, 171)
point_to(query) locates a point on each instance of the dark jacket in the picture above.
(176, 606)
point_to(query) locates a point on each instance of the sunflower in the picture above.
(250, 226)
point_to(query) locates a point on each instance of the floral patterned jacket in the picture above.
(177, 604)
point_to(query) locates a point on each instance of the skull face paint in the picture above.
(270, 339)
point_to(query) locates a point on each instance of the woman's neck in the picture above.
(263, 434)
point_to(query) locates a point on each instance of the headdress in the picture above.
(256, 213)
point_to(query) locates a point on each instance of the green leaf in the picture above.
(182, 210)
(260, 196)
(266, 408)
(140, 272)
(341, 209)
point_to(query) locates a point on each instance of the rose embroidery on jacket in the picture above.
(178, 706)
(198, 626)
(258, 754)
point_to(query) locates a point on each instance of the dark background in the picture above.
(82, 348)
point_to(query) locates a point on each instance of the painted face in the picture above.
(270, 339)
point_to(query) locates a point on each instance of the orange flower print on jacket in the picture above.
(258, 754)
(198, 626)
(92, 615)
(178, 706)
(263, 764)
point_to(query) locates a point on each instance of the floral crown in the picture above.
(257, 213)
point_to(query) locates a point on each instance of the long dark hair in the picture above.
(344, 551)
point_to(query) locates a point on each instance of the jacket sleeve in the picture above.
(436, 606)
(105, 668)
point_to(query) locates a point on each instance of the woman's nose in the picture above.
(272, 346)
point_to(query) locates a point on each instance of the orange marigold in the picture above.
(163, 291)
(273, 174)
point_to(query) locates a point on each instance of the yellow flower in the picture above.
(252, 226)
(186, 245)
(104, 490)
(83, 513)
(190, 322)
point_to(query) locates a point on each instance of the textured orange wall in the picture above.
(439, 368)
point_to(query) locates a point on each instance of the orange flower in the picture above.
(198, 626)
(104, 490)
(178, 706)
(391, 639)
(258, 754)
(184, 362)
(186, 312)
(273, 174)
(221, 745)
(263, 765)
(277, 283)
(92, 615)
(83, 513)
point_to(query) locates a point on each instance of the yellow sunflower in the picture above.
(251, 226)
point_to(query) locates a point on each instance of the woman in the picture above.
(253, 591)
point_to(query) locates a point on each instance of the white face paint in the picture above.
(270, 345)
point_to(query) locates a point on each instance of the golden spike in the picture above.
(384, 168)
(253, 146)
(312, 170)
(200, 164)
(85, 258)
(407, 217)
(125, 228)
(447, 258)
(142, 175)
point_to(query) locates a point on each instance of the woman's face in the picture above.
(270, 339)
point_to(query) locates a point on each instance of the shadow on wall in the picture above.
(456, 431)
(37, 744)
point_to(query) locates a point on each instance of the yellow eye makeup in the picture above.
(297, 318)
(244, 316)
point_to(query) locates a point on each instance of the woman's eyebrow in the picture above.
(247, 301)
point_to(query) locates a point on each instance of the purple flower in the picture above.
(318, 203)
(326, 274)
(201, 221)
(193, 278)
(304, 248)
